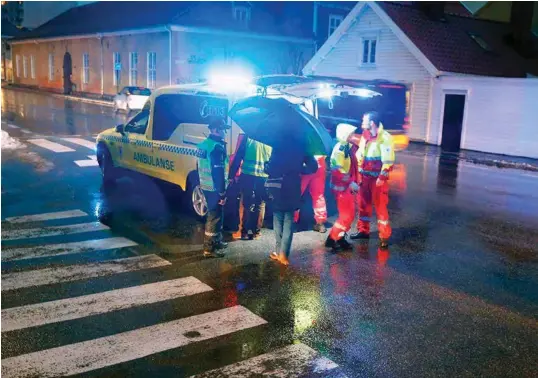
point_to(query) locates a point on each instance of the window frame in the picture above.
(333, 17)
(18, 65)
(116, 73)
(51, 66)
(151, 70)
(371, 39)
(32, 67)
(85, 68)
(241, 9)
(25, 66)
(133, 69)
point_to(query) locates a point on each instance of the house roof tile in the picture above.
(110, 16)
(450, 47)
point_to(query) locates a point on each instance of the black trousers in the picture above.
(253, 193)
(214, 221)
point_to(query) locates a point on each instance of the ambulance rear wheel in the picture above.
(195, 198)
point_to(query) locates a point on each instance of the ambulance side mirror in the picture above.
(120, 129)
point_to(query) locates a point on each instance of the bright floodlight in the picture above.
(230, 82)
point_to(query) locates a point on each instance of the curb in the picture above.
(57, 95)
(488, 162)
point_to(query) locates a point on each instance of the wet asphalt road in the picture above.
(455, 295)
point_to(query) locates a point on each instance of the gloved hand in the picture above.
(380, 182)
(354, 187)
(222, 200)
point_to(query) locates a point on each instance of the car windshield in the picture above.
(138, 91)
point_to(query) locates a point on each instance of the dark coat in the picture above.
(285, 168)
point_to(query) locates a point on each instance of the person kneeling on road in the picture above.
(212, 168)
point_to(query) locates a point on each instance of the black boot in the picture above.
(216, 253)
(359, 235)
(221, 245)
(330, 243)
(343, 244)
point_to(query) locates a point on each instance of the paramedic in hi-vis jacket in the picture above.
(375, 159)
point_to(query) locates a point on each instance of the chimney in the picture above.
(521, 22)
(435, 10)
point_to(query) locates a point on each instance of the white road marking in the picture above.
(127, 346)
(47, 216)
(93, 157)
(9, 254)
(52, 231)
(80, 307)
(87, 163)
(48, 276)
(26, 131)
(13, 126)
(298, 360)
(55, 147)
(81, 142)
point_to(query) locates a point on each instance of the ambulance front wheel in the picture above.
(107, 167)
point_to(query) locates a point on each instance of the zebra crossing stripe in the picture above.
(87, 305)
(81, 142)
(9, 254)
(48, 276)
(298, 360)
(127, 346)
(87, 163)
(47, 216)
(47, 144)
(52, 231)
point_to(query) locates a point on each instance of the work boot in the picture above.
(343, 245)
(216, 253)
(359, 235)
(320, 227)
(221, 245)
(244, 236)
(330, 243)
(384, 243)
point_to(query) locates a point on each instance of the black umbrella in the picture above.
(277, 122)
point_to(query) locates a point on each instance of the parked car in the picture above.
(131, 98)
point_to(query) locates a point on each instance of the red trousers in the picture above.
(371, 195)
(345, 202)
(316, 185)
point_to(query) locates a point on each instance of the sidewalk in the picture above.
(81, 98)
(475, 157)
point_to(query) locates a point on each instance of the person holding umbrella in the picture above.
(296, 137)
(284, 189)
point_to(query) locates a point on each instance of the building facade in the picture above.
(167, 43)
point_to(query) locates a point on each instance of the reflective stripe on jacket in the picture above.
(205, 166)
(375, 155)
(256, 156)
(341, 175)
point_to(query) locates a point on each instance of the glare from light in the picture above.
(361, 92)
(234, 81)
(326, 93)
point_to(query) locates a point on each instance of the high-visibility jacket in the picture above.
(342, 159)
(205, 165)
(256, 157)
(375, 155)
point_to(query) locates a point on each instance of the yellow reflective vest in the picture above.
(256, 156)
(375, 156)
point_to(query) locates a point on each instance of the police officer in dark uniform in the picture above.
(212, 168)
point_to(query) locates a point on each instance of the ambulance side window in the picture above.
(138, 123)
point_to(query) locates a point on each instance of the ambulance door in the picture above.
(137, 153)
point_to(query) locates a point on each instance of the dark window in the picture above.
(138, 123)
(373, 45)
(137, 91)
(172, 110)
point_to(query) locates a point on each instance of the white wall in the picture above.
(393, 62)
(501, 114)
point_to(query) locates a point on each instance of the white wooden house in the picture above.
(468, 87)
